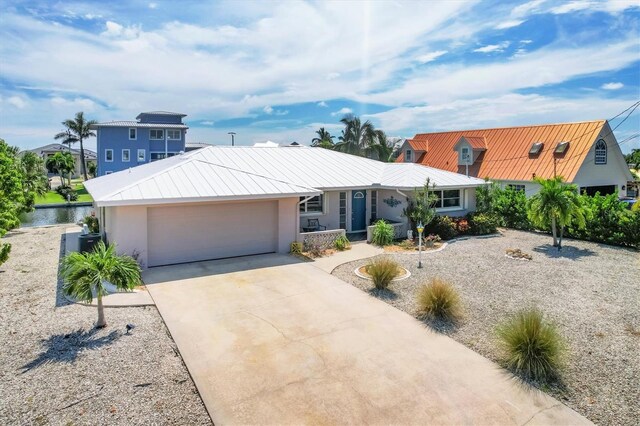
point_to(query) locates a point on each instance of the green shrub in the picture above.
(636, 206)
(295, 247)
(407, 244)
(510, 206)
(67, 193)
(383, 233)
(483, 224)
(439, 300)
(341, 243)
(92, 223)
(533, 347)
(443, 226)
(382, 272)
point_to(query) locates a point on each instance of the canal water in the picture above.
(54, 216)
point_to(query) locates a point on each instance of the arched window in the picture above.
(601, 152)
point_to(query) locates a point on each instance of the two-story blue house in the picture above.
(153, 136)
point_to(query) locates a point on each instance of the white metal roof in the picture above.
(124, 123)
(224, 173)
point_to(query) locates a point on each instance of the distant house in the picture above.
(585, 153)
(153, 136)
(47, 151)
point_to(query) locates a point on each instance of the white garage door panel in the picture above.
(202, 232)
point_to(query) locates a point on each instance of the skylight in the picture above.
(536, 148)
(561, 148)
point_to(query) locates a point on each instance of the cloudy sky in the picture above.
(280, 70)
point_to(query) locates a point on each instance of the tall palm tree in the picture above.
(84, 275)
(63, 163)
(79, 127)
(556, 204)
(67, 138)
(323, 140)
(356, 136)
(380, 149)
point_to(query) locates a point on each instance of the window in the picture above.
(343, 210)
(601, 152)
(133, 134)
(464, 152)
(173, 135)
(108, 155)
(561, 148)
(313, 205)
(374, 205)
(517, 187)
(156, 134)
(447, 199)
(536, 148)
(161, 155)
(141, 155)
(408, 156)
(126, 155)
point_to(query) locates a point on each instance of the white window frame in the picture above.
(151, 138)
(408, 155)
(440, 203)
(174, 139)
(135, 133)
(304, 206)
(128, 151)
(106, 157)
(600, 158)
(144, 155)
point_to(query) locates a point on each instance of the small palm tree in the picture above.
(556, 204)
(63, 163)
(84, 275)
(80, 128)
(323, 140)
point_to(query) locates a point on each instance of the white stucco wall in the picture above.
(287, 223)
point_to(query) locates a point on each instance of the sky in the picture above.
(281, 70)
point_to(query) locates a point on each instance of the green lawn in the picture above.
(52, 197)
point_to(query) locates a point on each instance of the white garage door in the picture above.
(190, 233)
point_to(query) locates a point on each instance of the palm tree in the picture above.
(84, 275)
(356, 136)
(67, 138)
(63, 163)
(323, 140)
(556, 204)
(34, 174)
(381, 149)
(81, 130)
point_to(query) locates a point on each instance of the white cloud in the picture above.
(610, 6)
(153, 5)
(17, 102)
(343, 111)
(612, 86)
(268, 109)
(83, 103)
(322, 104)
(208, 123)
(491, 48)
(526, 41)
(431, 56)
(508, 24)
(526, 9)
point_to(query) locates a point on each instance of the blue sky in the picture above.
(280, 70)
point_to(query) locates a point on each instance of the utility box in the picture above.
(87, 242)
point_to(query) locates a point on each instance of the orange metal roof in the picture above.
(477, 143)
(507, 150)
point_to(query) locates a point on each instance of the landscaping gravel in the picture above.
(55, 368)
(590, 291)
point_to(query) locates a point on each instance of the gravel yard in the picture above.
(57, 369)
(591, 291)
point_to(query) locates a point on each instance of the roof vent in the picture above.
(536, 148)
(561, 148)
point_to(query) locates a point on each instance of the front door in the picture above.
(358, 210)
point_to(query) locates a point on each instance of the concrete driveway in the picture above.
(271, 340)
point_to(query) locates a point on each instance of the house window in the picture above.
(133, 134)
(447, 198)
(343, 210)
(156, 134)
(173, 135)
(161, 155)
(312, 205)
(374, 205)
(141, 155)
(517, 187)
(108, 155)
(126, 155)
(601, 152)
(466, 158)
(408, 156)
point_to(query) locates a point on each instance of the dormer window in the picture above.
(601, 152)
(465, 155)
(408, 156)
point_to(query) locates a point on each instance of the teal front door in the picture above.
(358, 210)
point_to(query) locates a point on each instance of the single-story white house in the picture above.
(222, 201)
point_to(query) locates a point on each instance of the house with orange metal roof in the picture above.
(585, 153)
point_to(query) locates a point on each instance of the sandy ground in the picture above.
(55, 368)
(591, 291)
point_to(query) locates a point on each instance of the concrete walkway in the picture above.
(272, 340)
(359, 250)
(138, 297)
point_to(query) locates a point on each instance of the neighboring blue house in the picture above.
(124, 144)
